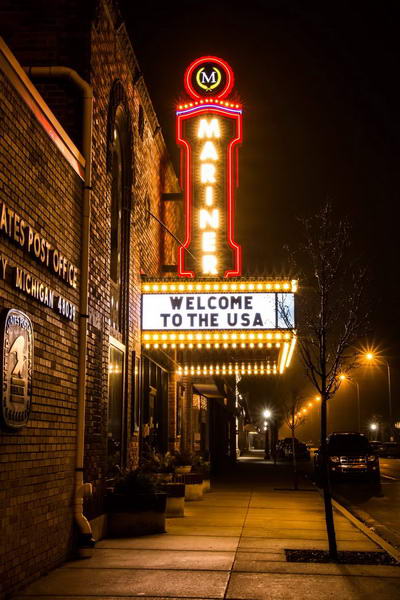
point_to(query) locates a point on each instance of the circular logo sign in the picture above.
(16, 353)
(209, 76)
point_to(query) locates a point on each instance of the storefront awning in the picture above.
(209, 390)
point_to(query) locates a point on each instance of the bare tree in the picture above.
(330, 319)
(293, 418)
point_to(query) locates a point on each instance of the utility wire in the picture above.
(171, 233)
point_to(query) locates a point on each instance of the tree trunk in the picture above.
(326, 486)
(294, 460)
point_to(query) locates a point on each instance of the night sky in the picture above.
(321, 94)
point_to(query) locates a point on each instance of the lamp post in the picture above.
(374, 428)
(267, 415)
(370, 356)
(353, 381)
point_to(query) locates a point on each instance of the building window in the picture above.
(116, 228)
(154, 408)
(115, 407)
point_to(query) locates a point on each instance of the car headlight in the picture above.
(371, 458)
(335, 459)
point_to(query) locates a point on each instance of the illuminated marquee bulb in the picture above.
(209, 241)
(207, 173)
(209, 128)
(209, 264)
(209, 195)
(209, 152)
(209, 218)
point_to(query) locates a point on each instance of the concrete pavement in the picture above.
(377, 507)
(229, 545)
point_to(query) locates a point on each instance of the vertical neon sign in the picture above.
(209, 131)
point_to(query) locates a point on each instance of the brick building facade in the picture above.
(42, 189)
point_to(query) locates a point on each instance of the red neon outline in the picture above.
(237, 250)
(230, 78)
(231, 204)
(188, 202)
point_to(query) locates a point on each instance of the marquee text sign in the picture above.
(16, 368)
(209, 130)
(217, 311)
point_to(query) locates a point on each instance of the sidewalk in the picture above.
(229, 545)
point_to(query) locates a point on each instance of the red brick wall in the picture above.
(152, 174)
(37, 462)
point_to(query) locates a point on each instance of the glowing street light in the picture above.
(374, 428)
(267, 415)
(344, 377)
(373, 357)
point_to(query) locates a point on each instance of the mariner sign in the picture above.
(209, 132)
(255, 311)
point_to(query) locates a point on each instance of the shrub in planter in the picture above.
(175, 499)
(193, 485)
(160, 466)
(183, 461)
(135, 507)
(202, 467)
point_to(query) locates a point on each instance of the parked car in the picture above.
(349, 455)
(386, 449)
(391, 450)
(284, 449)
(378, 447)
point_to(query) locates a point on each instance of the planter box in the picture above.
(183, 469)
(206, 486)
(163, 477)
(175, 499)
(193, 486)
(135, 515)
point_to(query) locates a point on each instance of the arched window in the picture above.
(119, 164)
(119, 224)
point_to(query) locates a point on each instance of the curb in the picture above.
(389, 548)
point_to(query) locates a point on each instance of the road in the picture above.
(383, 504)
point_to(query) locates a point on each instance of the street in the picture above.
(381, 505)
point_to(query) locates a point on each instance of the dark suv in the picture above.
(284, 449)
(349, 455)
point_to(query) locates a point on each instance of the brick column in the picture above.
(173, 379)
(187, 442)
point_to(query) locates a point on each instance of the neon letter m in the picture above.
(207, 78)
(209, 128)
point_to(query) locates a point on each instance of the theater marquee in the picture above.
(175, 312)
(216, 321)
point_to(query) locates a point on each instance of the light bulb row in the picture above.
(208, 101)
(240, 286)
(224, 336)
(228, 369)
(209, 345)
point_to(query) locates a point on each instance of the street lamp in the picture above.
(370, 357)
(374, 428)
(345, 378)
(267, 415)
